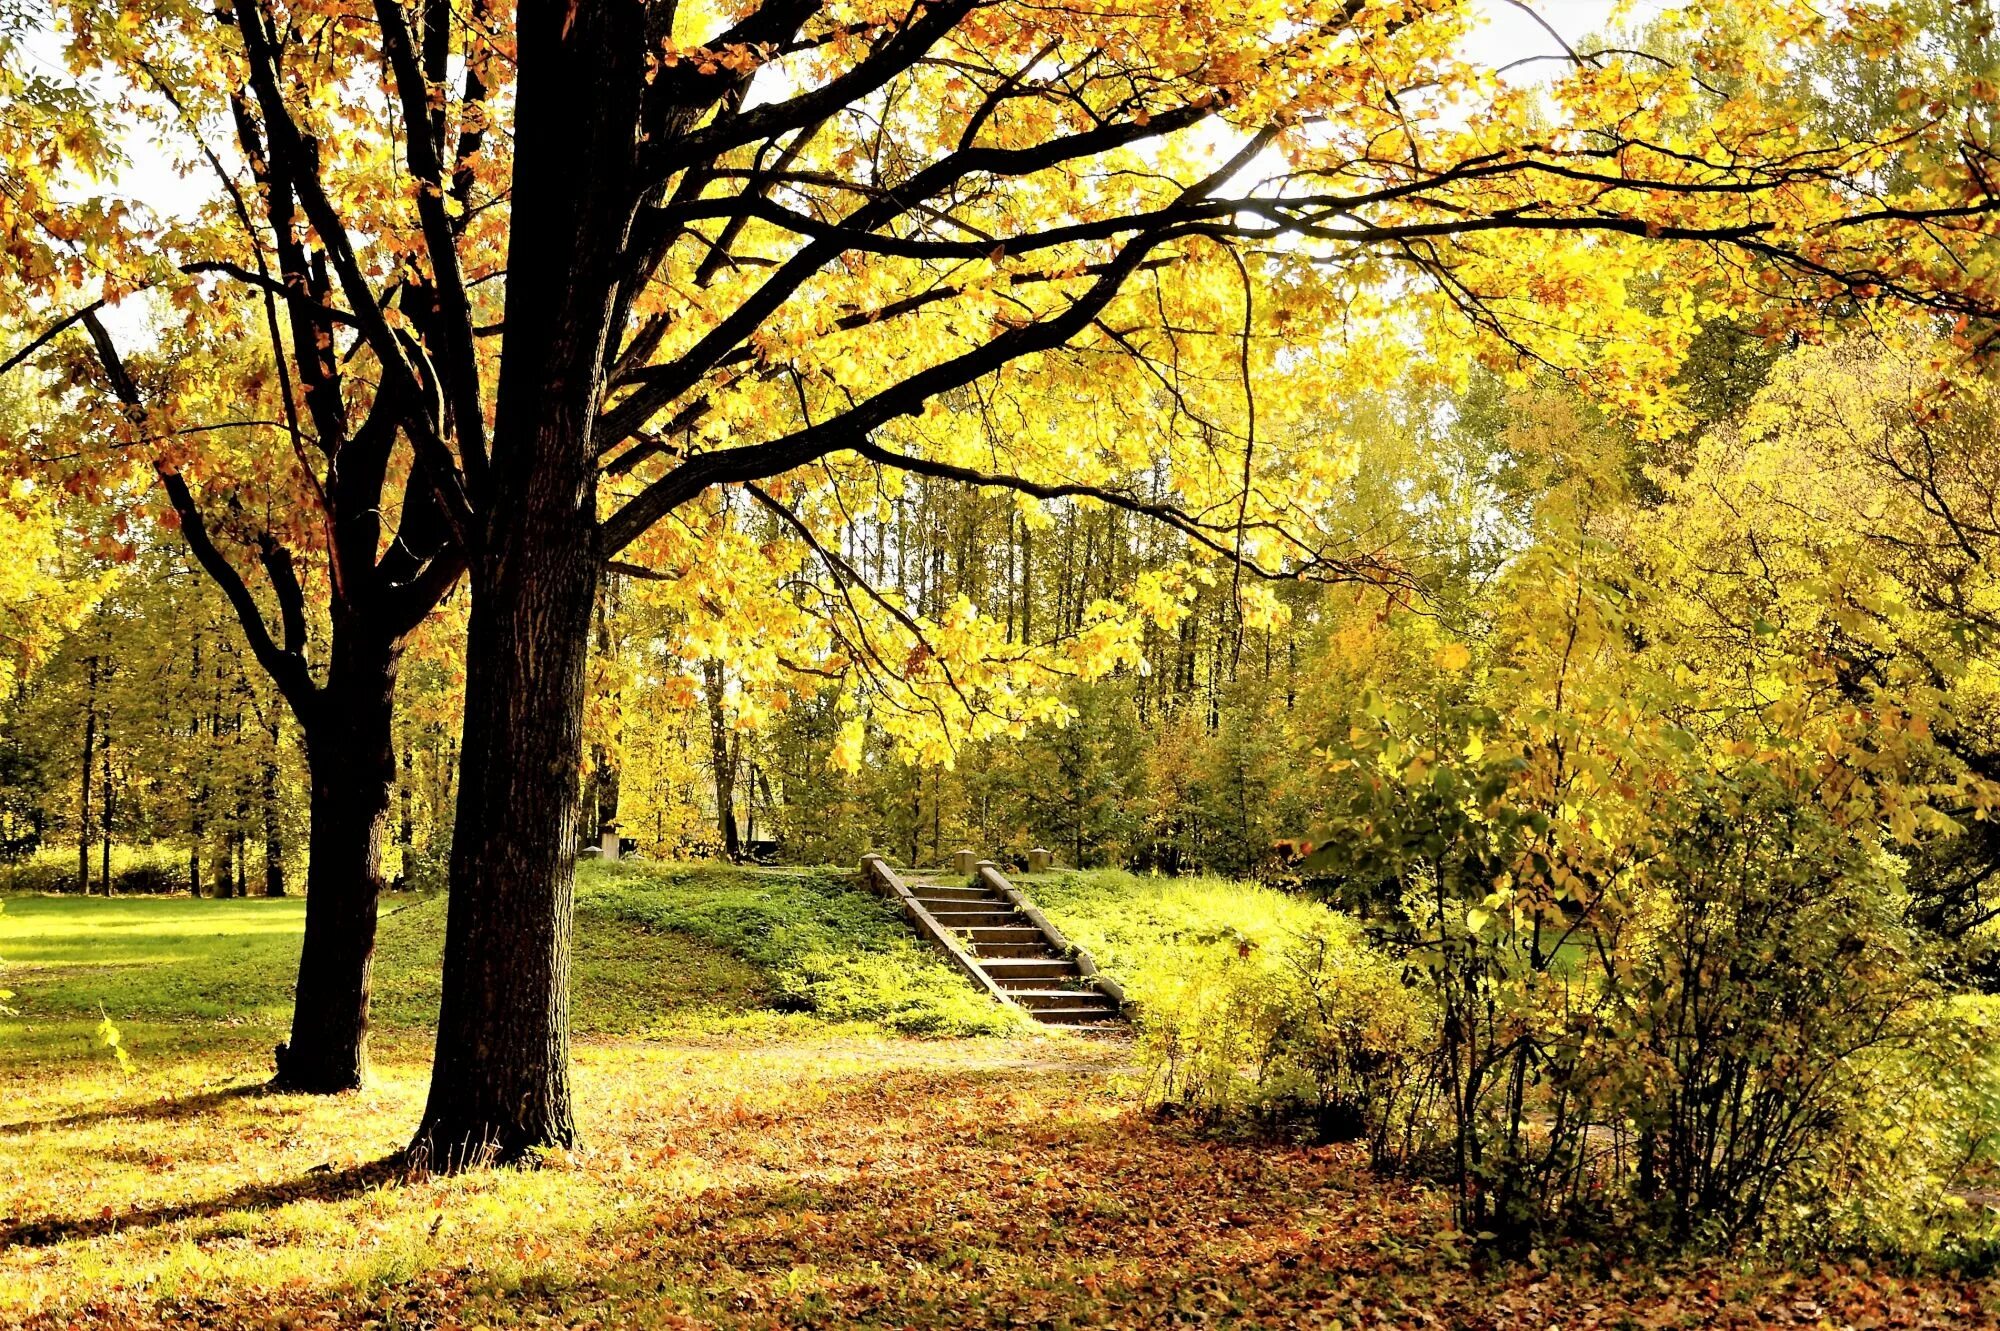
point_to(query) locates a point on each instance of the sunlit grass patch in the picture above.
(1152, 932)
(176, 1188)
(827, 946)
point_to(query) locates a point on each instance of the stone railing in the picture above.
(885, 881)
(987, 872)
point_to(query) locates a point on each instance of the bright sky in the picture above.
(1510, 35)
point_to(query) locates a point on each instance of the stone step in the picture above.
(1031, 946)
(1014, 955)
(1046, 1000)
(961, 914)
(1074, 1016)
(937, 892)
(1011, 934)
(1067, 983)
(1029, 971)
(978, 919)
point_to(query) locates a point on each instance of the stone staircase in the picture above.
(1005, 945)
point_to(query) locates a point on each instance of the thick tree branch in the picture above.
(300, 156)
(424, 150)
(904, 48)
(286, 665)
(49, 334)
(670, 382)
(850, 428)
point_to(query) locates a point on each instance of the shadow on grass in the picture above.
(182, 1106)
(319, 1185)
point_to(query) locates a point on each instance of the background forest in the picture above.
(1500, 631)
(1203, 744)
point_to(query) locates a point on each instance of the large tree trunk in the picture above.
(351, 769)
(500, 1082)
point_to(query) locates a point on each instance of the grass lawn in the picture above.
(754, 1157)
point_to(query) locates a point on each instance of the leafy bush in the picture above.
(425, 868)
(1253, 1002)
(1324, 1033)
(1762, 969)
(1918, 1170)
(1148, 931)
(150, 870)
(829, 947)
(1674, 992)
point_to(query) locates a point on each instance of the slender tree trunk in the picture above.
(224, 882)
(197, 789)
(406, 815)
(722, 760)
(83, 785)
(351, 771)
(1027, 582)
(274, 839)
(602, 806)
(105, 800)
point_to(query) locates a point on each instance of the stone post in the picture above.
(1038, 860)
(607, 841)
(964, 862)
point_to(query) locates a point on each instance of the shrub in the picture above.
(1358, 1037)
(1764, 968)
(1918, 1169)
(1253, 1003)
(1324, 1035)
(1673, 991)
(155, 869)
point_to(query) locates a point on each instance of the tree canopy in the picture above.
(753, 356)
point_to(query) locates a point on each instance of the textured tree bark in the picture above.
(500, 1082)
(351, 770)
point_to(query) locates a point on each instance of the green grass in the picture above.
(1150, 933)
(659, 950)
(827, 946)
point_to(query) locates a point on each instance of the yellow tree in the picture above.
(1832, 560)
(802, 247)
(282, 459)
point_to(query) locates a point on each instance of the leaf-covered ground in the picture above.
(760, 1170)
